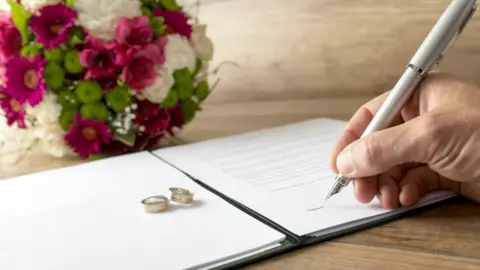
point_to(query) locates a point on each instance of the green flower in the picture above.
(72, 62)
(89, 91)
(119, 98)
(54, 75)
(68, 99)
(95, 111)
(67, 118)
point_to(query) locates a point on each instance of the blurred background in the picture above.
(309, 58)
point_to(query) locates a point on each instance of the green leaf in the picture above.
(202, 90)
(183, 83)
(170, 100)
(20, 18)
(128, 139)
(2, 96)
(95, 157)
(158, 25)
(77, 36)
(169, 4)
(198, 67)
(189, 108)
(70, 3)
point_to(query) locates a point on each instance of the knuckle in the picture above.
(371, 153)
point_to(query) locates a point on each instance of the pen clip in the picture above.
(457, 35)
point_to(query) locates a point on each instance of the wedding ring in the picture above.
(181, 195)
(156, 204)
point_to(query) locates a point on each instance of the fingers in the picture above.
(365, 189)
(420, 181)
(355, 127)
(381, 151)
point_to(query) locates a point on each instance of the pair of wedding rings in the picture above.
(160, 203)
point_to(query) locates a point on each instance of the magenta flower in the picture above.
(14, 112)
(51, 27)
(10, 38)
(134, 32)
(24, 79)
(100, 59)
(175, 21)
(86, 135)
(154, 119)
(140, 71)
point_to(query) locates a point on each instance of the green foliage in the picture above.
(183, 83)
(202, 90)
(20, 18)
(190, 109)
(128, 139)
(70, 3)
(158, 25)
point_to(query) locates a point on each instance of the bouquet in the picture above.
(94, 78)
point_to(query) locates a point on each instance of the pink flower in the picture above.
(53, 24)
(140, 71)
(10, 38)
(134, 32)
(175, 21)
(154, 119)
(176, 119)
(86, 135)
(100, 59)
(14, 112)
(24, 79)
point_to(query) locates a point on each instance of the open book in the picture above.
(251, 191)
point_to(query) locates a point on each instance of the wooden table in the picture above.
(302, 59)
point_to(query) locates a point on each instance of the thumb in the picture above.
(380, 151)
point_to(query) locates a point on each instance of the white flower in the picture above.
(14, 141)
(35, 5)
(179, 53)
(48, 111)
(159, 90)
(99, 17)
(201, 44)
(52, 141)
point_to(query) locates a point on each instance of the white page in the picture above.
(279, 172)
(90, 217)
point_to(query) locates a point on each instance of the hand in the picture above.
(433, 145)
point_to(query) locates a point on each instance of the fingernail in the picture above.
(344, 161)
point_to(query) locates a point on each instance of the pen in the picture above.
(432, 51)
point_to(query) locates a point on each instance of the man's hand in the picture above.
(434, 144)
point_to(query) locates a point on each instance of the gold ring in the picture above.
(156, 204)
(181, 195)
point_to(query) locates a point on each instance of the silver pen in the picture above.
(431, 52)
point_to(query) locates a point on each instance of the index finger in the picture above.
(356, 126)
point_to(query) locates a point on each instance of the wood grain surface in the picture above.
(295, 60)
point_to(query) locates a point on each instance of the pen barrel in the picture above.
(396, 100)
(442, 34)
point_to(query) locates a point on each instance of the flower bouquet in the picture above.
(94, 78)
